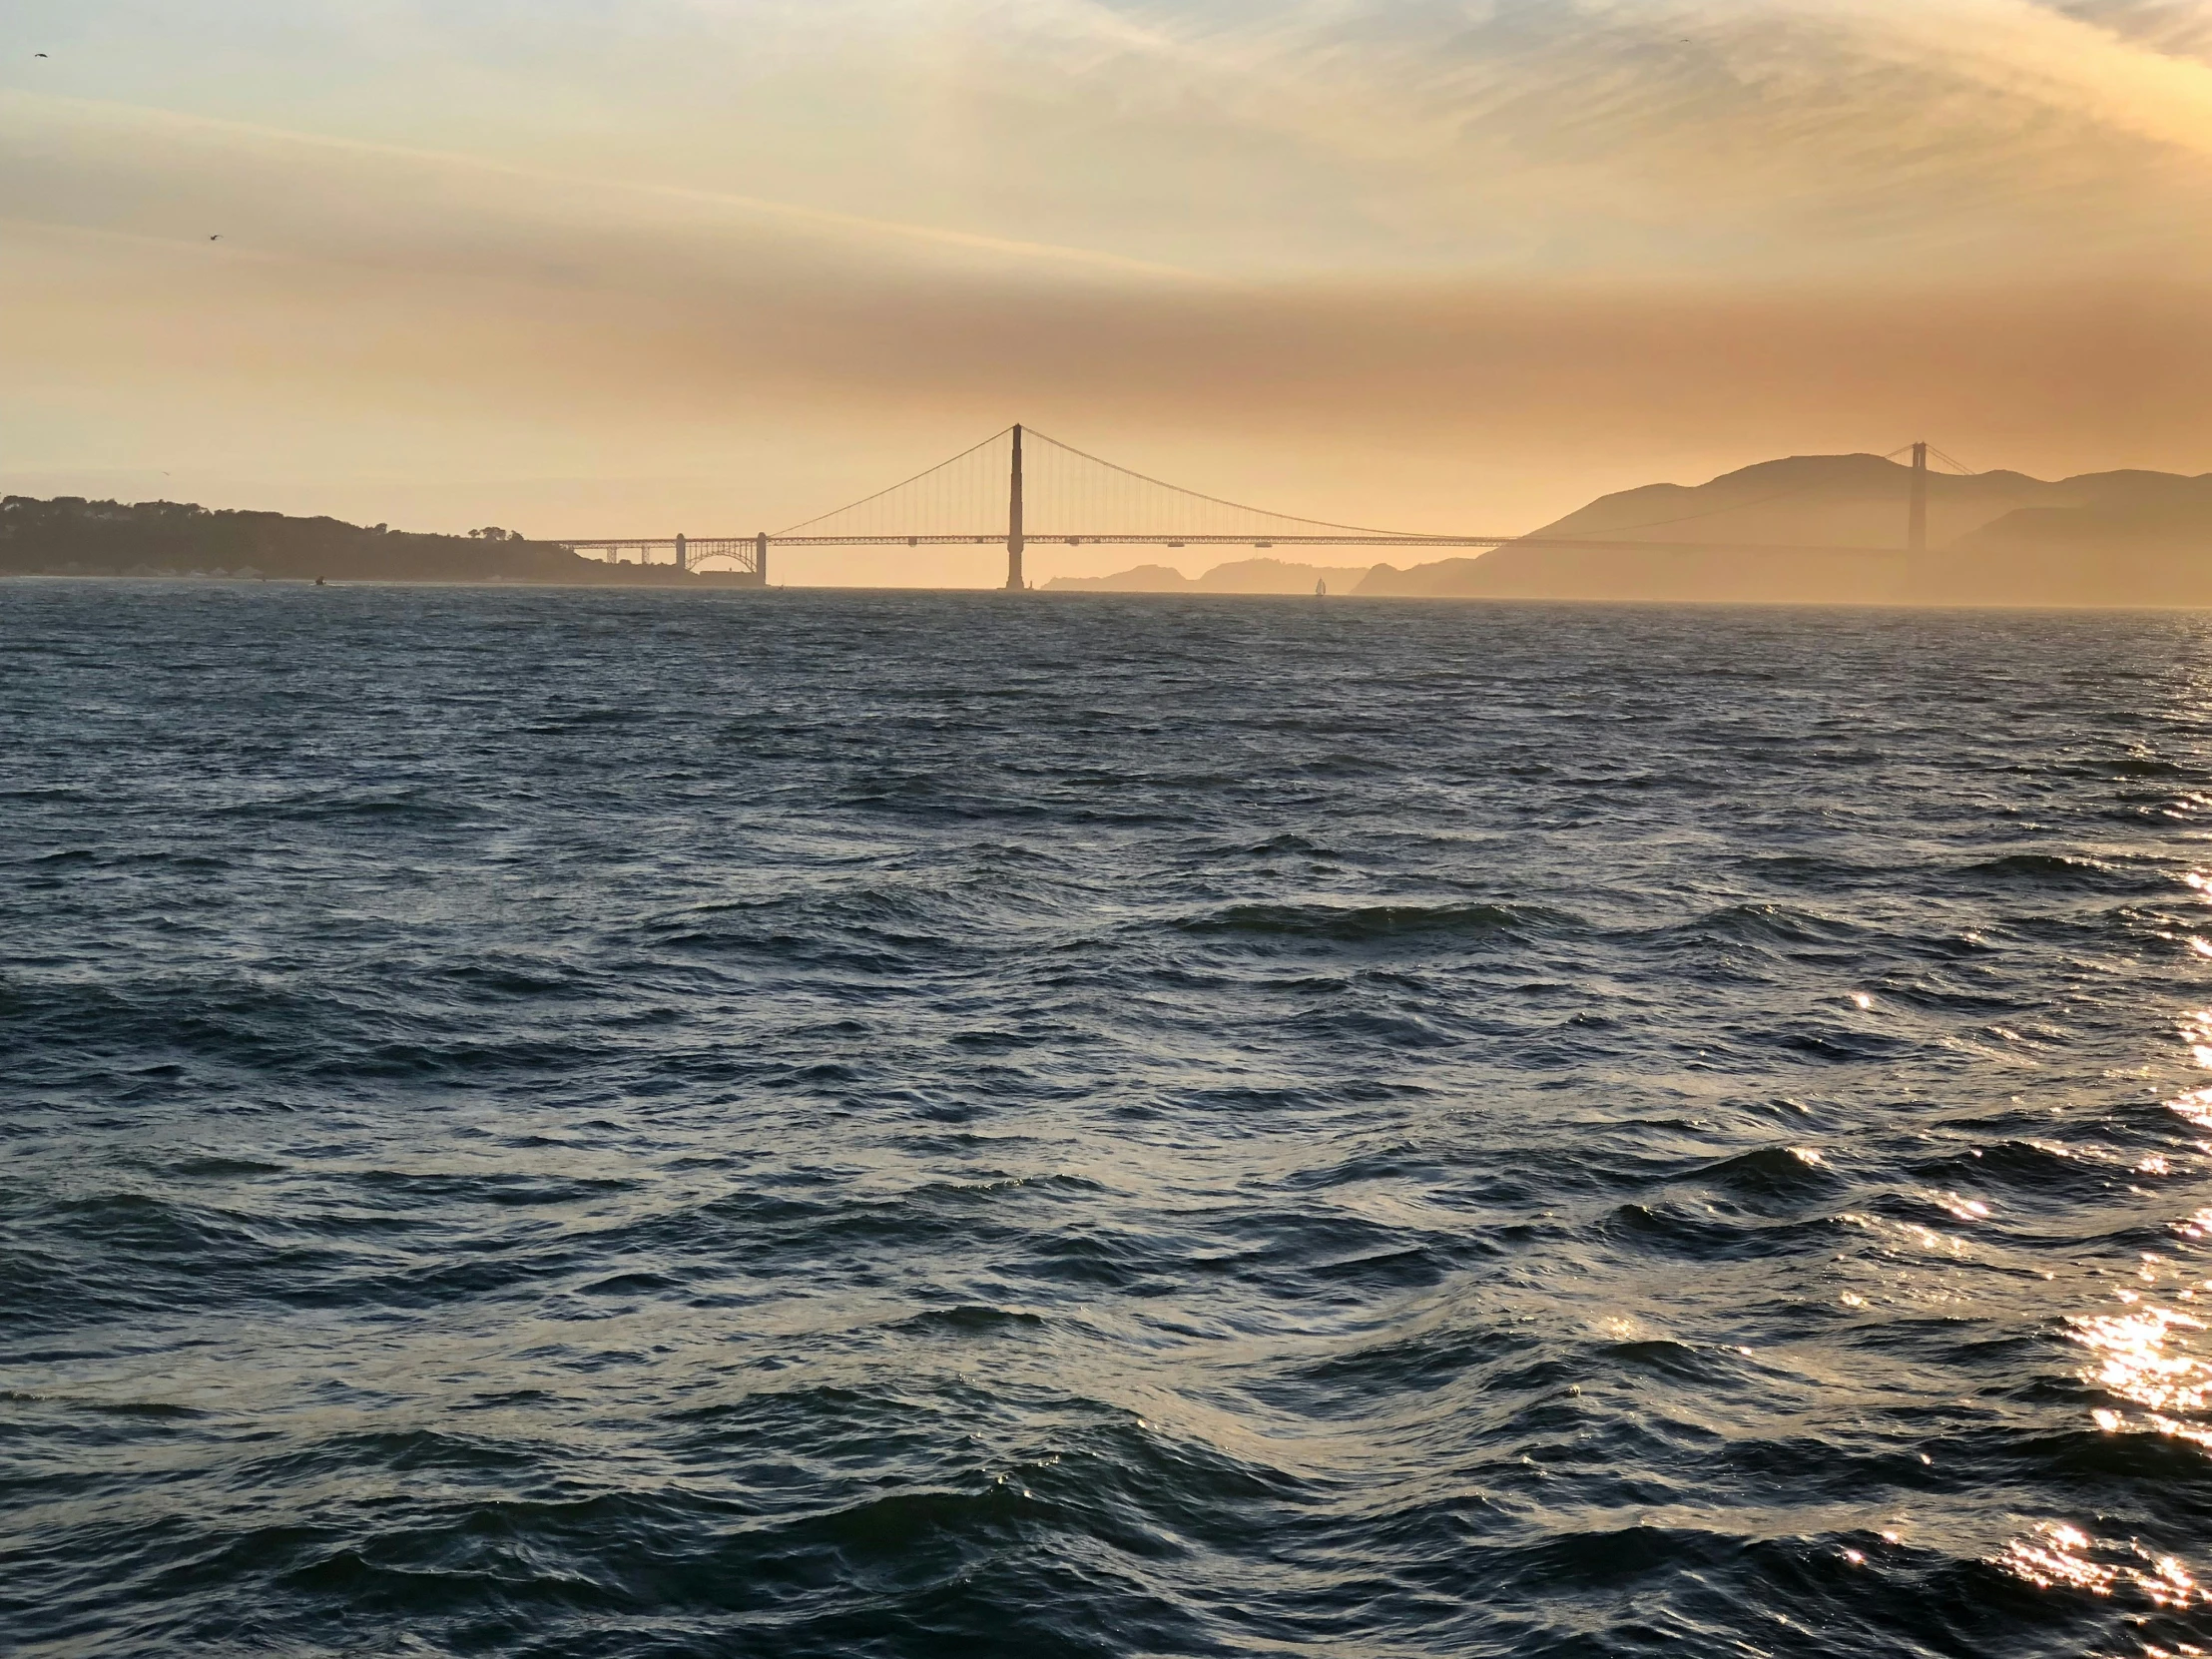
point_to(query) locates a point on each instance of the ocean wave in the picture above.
(1366, 922)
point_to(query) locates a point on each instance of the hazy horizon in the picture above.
(713, 266)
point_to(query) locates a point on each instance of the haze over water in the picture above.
(611, 1123)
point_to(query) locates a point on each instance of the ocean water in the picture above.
(593, 1123)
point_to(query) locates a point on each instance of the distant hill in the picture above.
(1240, 576)
(1995, 538)
(1137, 579)
(72, 536)
(2138, 538)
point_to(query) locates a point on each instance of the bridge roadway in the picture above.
(750, 552)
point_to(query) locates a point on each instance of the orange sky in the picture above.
(647, 265)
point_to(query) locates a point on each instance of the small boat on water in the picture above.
(1320, 588)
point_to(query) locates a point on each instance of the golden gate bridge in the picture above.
(1019, 487)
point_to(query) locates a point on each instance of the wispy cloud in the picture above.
(1726, 132)
(77, 162)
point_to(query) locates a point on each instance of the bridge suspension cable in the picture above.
(957, 496)
(1081, 490)
(1069, 494)
(1952, 461)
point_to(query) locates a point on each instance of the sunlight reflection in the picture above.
(2059, 1556)
(2196, 1106)
(2142, 1358)
(2196, 1032)
(1961, 1207)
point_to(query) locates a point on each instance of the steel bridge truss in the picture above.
(748, 554)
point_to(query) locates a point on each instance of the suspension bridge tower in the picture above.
(1916, 512)
(1015, 583)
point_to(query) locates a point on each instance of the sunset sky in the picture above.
(648, 266)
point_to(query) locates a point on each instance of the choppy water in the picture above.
(560, 1123)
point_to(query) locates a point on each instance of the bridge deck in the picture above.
(715, 547)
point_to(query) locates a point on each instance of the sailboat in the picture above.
(1320, 588)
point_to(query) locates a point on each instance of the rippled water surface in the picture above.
(602, 1124)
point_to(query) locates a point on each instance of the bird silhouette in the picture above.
(215, 239)
(38, 54)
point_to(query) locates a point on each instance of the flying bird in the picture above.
(215, 239)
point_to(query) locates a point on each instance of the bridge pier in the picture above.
(760, 557)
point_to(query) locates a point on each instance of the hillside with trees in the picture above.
(71, 536)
